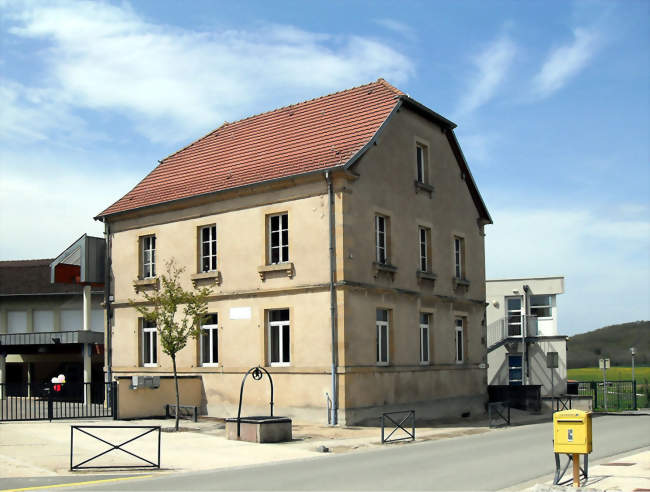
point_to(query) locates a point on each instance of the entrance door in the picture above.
(514, 316)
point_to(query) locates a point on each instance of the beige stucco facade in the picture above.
(244, 290)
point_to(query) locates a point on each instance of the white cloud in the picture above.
(565, 62)
(174, 83)
(396, 26)
(43, 208)
(605, 261)
(491, 66)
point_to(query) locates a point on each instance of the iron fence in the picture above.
(148, 429)
(498, 413)
(614, 395)
(410, 436)
(49, 402)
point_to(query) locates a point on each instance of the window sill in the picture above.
(461, 282)
(423, 187)
(384, 268)
(145, 284)
(382, 364)
(286, 268)
(421, 275)
(207, 277)
(150, 365)
(280, 364)
(425, 363)
(216, 364)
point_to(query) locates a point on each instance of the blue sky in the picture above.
(551, 101)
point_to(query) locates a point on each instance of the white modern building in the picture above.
(523, 338)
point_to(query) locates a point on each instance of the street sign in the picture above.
(603, 363)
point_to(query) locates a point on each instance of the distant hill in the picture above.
(614, 342)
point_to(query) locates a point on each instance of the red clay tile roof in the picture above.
(309, 136)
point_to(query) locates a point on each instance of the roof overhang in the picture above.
(83, 262)
(51, 338)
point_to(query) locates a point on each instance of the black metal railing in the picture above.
(52, 401)
(83, 465)
(408, 414)
(498, 413)
(614, 395)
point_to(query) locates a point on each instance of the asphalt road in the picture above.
(490, 461)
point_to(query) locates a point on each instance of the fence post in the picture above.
(50, 412)
(634, 393)
(594, 392)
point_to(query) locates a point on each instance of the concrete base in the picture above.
(260, 429)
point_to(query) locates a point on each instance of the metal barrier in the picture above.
(500, 410)
(615, 395)
(51, 402)
(113, 447)
(410, 436)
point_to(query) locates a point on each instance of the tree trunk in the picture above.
(177, 396)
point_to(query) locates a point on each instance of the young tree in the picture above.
(177, 313)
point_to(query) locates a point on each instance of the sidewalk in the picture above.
(39, 449)
(29, 449)
(625, 474)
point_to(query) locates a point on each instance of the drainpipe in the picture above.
(526, 373)
(107, 303)
(333, 311)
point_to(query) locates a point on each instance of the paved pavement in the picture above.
(40, 451)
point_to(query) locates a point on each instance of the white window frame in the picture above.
(521, 367)
(213, 331)
(424, 247)
(459, 253)
(148, 245)
(212, 248)
(383, 326)
(459, 342)
(420, 163)
(380, 239)
(282, 258)
(537, 306)
(514, 314)
(150, 332)
(282, 326)
(425, 334)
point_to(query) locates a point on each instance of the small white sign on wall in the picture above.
(240, 313)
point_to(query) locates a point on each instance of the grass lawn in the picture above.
(613, 374)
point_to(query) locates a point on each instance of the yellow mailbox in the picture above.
(572, 432)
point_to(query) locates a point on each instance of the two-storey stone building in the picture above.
(349, 221)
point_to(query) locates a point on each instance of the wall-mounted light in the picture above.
(56, 340)
(495, 303)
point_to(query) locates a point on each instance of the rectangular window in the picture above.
(424, 337)
(459, 341)
(514, 316)
(210, 341)
(515, 372)
(149, 344)
(148, 256)
(382, 336)
(209, 248)
(278, 226)
(424, 236)
(421, 164)
(459, 257)
(381, 231)
(541, 306)
(279, 337)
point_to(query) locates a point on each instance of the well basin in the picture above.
(259, 428)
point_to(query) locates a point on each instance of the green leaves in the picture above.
(177, 313)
